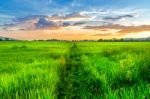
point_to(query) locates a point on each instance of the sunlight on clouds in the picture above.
(137, 35)
(73, 18)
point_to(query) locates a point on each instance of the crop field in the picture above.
(74, 70)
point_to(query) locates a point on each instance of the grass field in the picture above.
(74, 70)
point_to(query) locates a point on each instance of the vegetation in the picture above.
(80, 70)
(6, 39)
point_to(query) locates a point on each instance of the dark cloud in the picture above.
(109, 26)
(43, 23)
(118, 17)
(79, 23)
(66, 24)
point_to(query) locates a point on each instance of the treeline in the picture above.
(125, 40)
(100, 40)
(67, 40)
(7, 39)
(103, 40)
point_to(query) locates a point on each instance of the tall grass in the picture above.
(30, 70)
(51, 70)
(123, 70)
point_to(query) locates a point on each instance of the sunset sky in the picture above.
(74, 19)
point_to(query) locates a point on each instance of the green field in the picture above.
(74, 70)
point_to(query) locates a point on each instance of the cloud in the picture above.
(121, 29)
(76, 15)
(76, 3)
(96, 19)
(135, 29)
(44, 23)
(118, 17)
(79, 23)
(6, 19)
(104, 35)
(68, 17)
(33, 22)
(57, 17)
(29, 17)
(66, 24)
(109, 26)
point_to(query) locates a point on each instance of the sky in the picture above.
(74, 19)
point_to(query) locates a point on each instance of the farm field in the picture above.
(74, 70)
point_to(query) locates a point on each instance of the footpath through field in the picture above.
(75, 81)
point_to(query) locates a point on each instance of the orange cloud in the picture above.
(135, 29)
(121, 29)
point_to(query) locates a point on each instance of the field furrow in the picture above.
(76, 82)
